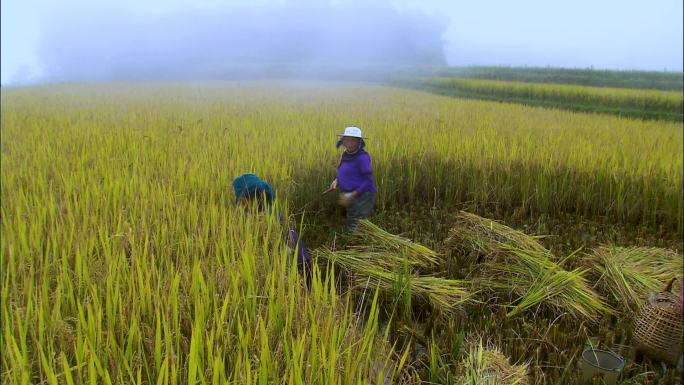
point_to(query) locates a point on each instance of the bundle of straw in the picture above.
(482, 237)
(371, 237)
(443, 294)
(515, 263)
(629, 274)
(371, 269)
(564, 291)
(488, 366)
(352, 258)
(388, 261)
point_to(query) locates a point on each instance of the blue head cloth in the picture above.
(251, 187)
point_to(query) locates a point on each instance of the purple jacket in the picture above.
(355, 173)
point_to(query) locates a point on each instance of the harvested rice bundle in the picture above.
(516, 265)
(488, 366)
(557, 289)
(372, 237)
(562, 291)
(443, 294)
(628, 275)
(479, 237)
(350, 259)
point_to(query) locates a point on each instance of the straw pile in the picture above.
(628, 275)
(511, 262)
(477, 238)
(488, 366)
(371, 237)
(390, 262)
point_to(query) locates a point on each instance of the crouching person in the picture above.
(250, 189)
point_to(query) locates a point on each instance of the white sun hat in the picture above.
(353, 132)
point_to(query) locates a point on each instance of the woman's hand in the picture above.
(333, 185)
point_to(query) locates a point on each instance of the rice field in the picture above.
(125, 260)
(634, 98)
(641, 103)
(656, 80)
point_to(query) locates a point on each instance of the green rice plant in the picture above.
(125, 260)
(628, 275)
(139, 269)
(461, 150)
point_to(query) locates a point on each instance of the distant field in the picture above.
(657, 80)
(125, 259)
(640, 103)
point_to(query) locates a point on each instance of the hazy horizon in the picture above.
(74, 41)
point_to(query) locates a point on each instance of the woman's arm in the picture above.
(366, 169)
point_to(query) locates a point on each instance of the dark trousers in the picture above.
(360, 208)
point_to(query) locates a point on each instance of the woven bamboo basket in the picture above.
(659, 328)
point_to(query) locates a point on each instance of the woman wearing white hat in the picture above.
(355, 177)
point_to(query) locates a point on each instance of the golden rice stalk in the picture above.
(628, 275)
(517, 264)
(444, 294)
(350, 259)
(480, 236)
(488, 366)
(562, 291)
(372, 237)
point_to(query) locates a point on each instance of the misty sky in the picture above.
(97, 40)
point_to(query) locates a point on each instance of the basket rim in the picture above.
(615, 355)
